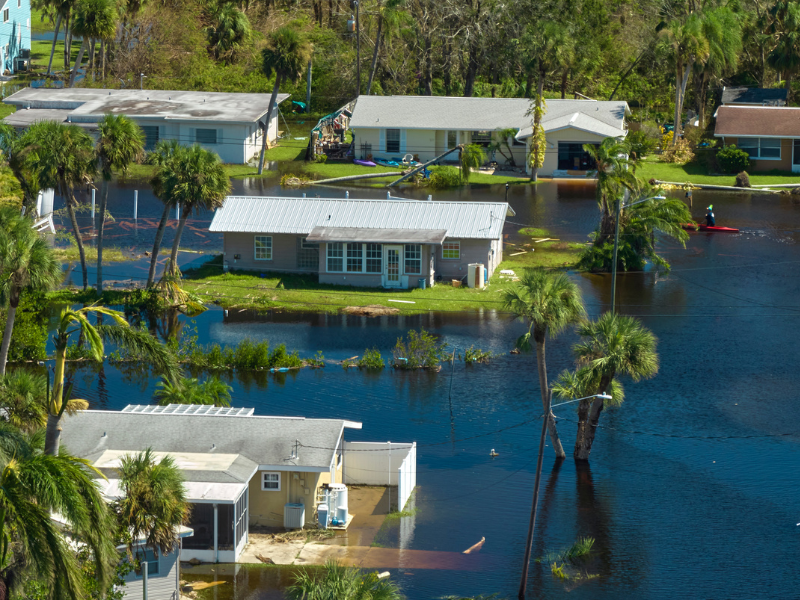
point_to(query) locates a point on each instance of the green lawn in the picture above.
(652, 168)
(40, 54)
(6, 109)
(37, 25)
(303, 293)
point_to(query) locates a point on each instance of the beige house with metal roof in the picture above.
(229, 124)
(389, 127)
(391, 243)
(240, 469)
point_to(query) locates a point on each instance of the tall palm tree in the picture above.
(23, 398)
(286, 55)
(62, 9)
(615, 172)
(94, 20)
(164, 152)
(154, 504)
(212, 391)
(548, 302)
(194, 180)
(785, 31)
(139, 343)
(120, 143)
(471, 157)
(12, 146)
(229, 29)
(26, 263)
(32, 487)
(612, 345)
(391, 17)
(62, 157)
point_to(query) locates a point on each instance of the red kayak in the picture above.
(710, 228)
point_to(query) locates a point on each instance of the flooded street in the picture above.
(692, 489)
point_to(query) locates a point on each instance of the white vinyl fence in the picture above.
(382, 463)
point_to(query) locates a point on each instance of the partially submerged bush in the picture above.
(247, 355)
(732, 160)
(421, 351)
(473, 355)
(371, 359)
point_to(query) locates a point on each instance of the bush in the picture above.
(641, 143)
(732, 160)
(742, 180)
(680, 153)
(421, 351)
(445, 177)
(473, 355)
(371, 359)
(29, 336)
(321, 158)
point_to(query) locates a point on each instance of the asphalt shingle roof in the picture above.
(745, 95)
(753, 121)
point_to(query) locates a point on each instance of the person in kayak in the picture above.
(710, 216)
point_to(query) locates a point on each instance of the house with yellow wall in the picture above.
(240, 469)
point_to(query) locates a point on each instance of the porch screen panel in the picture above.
(374, 258)
(201, 520)
(413, 259)
(355, 258)
(225, 524)
(241, 517)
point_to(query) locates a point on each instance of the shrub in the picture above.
(421, 351)
(280, 358)
(732, 160)
(742, 180)
(473, 355)
(641, 144)
(680, 153)
(321, 158)
(371, 359)
(666, 140)
(318, 360)
(444, 177)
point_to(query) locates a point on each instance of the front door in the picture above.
(391, 276)
(796, 156)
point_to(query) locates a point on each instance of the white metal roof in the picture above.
(461, 220)
(195, 491)
(189, 409)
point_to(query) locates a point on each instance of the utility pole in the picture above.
(308, 89)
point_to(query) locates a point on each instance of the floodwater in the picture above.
(693, 486)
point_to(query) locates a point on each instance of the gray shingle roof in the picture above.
(259, 440)
(254, 214)
(88, 105)
(745, 95)
(480, 114)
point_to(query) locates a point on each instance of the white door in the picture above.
(392, 260)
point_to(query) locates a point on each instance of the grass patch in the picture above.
(534, 232)
(653, 168)
(6, 109)
(399, 514)
(109, 254)
(40, 54)
(38, 25)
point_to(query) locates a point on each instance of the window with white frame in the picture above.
(452, 139)
(355, 258)
(336, 257)
(205, 136)
(146, 555)
(6, 15)
(270, 481)
(393, 140)
(374, 258)
(413, 259)
(763, 148)
(263, 247)
(451, 250)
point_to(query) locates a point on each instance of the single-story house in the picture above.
(427, 126)
(745, 96)
(230, 124)
(240, 469)
(390, 243)
(770, 135)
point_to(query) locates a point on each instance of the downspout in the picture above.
(216, 532)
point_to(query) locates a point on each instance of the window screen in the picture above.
(355, 257)
(393, 140)
(374, 258)
(307, 254)
(336, 257)
(413, 259)
(150, 136)
(205, 136)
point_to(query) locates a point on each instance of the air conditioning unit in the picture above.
(25, 53)
(294, 516)
(21, 64)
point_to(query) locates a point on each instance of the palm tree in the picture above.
(538, 144)
(139, 343)
(62, 9)
(615, 172)
(286, 55)
(163, 153)
(154, 505)
(195, 180)
(548, 302)
(23, 398)
(26, 263)
(94, 20)
(613, 345)
(211, 392)
(342, 583)
(61, 157)
(471, 157)
(230, 28)
(120, 143)
(390, 20)
(785, 31)
(32, 487)
(13, 148)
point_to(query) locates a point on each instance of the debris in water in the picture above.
(475, 548)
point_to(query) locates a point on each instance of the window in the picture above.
(572, 156)
(146, 556)
(452, 136)
(19, 3)
(393, 140)
(307, 254)
(5, 15)
(270, 482)
(763, 148)
(205, 136)
(263, 247)
(413, 259)
(374, 258)
(484, 138)
(150, 136)
(451, 250)
(355, 258)
(335, 257)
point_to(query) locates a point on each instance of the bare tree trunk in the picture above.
(564, 80)
(12, 313)
(52, 441)
(427, 80)
(101, 223)
(78, 238)
(162, 225)
(173, 257)
(77, 63)
(53, 47)
(447, 67)
(788, 87)
(588, 419)
(266, 125)
(374, 65)
(541, 365)
(676, 120)
(103, 59)
(472, 70)
(66, 43)
(330, 14)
